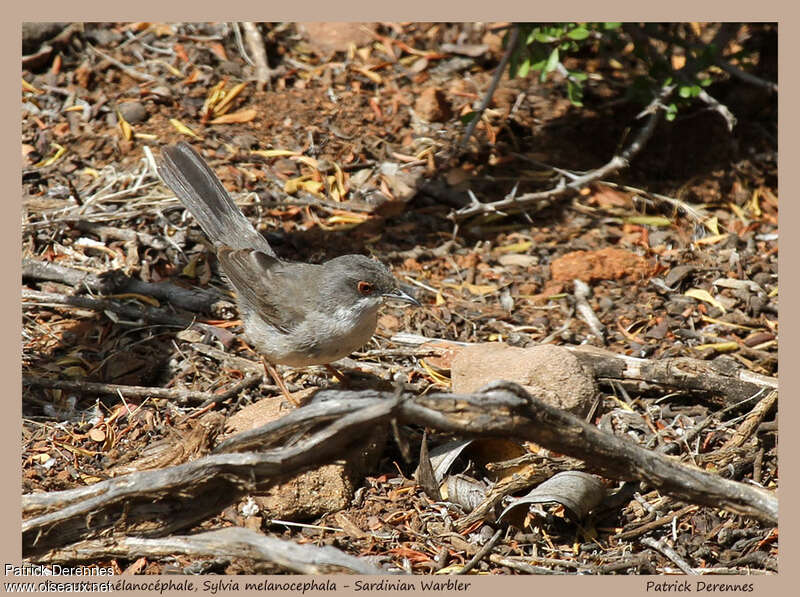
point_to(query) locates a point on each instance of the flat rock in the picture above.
(550, 373)
(328, 38)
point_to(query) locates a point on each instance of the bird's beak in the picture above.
(399, 294)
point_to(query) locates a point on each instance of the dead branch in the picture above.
(130, 310)
(745, 76)
(131, 72)
(227, 544)
(616, 163)
(731, 451)
(126, 234)
(484, 551)
(178, 395)
(155, 503)
(679, 372)
(116, 282)
(667, 551)
(255, 44)
(487, 97)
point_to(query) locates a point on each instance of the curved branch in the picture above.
(154, 503)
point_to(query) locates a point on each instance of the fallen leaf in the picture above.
(236, 117)
(705, 296)
(182, 128)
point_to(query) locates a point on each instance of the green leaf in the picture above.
(543, 37)
(549, 66)
(687, 91)
(469, 117)
(524, 68)
(539, 66)
(574, 93)
(672, 112)
(552, 61)
(610, 26)
(578, 33)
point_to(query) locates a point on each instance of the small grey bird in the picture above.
(296, 314)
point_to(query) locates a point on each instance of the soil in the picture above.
(681, 260)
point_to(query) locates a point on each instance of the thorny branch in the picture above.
(616, 163)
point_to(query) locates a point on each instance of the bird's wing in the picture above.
(268, 285)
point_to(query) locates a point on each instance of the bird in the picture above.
(293, 313)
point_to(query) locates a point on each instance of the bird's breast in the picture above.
(320, 339)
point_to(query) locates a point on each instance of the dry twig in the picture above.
(616, 163)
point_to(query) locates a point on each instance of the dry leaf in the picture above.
(705, 296)
(182, 128)
(97, 435)
(236, 117)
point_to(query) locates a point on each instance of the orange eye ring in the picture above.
(365, 288)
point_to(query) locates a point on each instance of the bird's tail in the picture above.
(202, 193)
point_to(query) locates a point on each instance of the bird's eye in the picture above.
(365, 288)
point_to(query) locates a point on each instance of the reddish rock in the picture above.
(432, 106)
(606, 264)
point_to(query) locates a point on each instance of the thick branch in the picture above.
(116, 282)
(680, 372)
(227, 544)
(155, 503)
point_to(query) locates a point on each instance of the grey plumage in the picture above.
(296, 314)
(199, 189)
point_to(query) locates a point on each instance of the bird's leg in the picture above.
(278, 378)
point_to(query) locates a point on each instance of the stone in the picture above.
(320, 490)
(550, 373)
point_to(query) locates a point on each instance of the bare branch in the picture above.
(227, 544)
(116, 282)
(745, 76)
(616, 163)
(257, 48)
(180, 396)
(155, 503)
(487, 97)
(678, 372)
